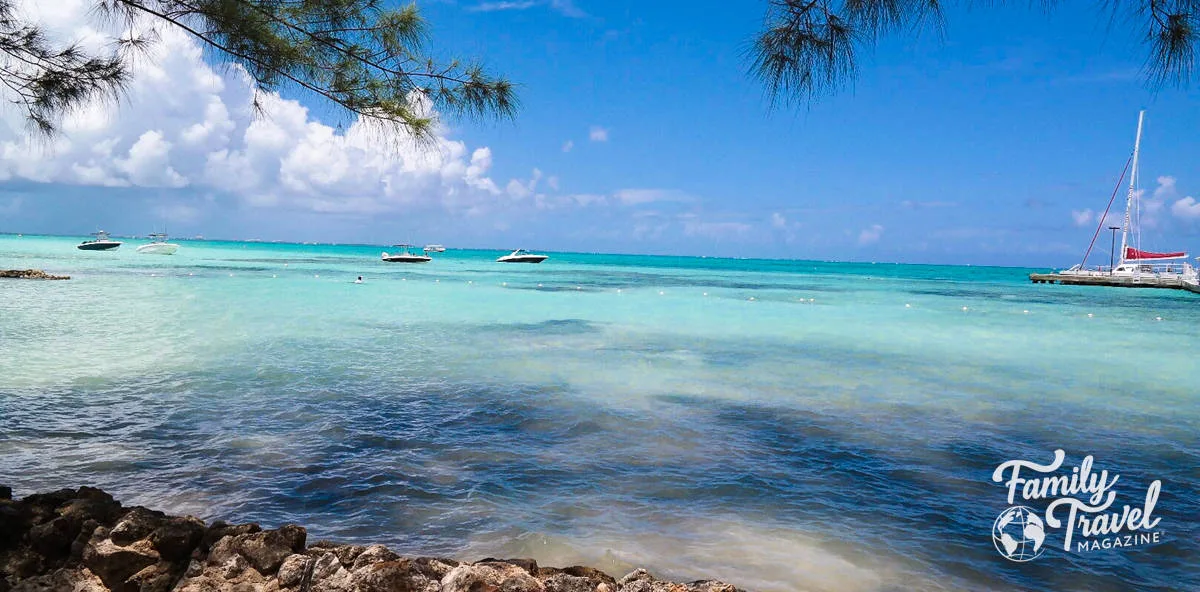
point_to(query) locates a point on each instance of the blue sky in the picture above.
(993, 142)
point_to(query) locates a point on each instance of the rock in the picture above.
(115, 564)
(402, 575)
(371, 555)
(530, 566)
(220, 530)
(176, 538)
(30, 274)
(267, 550)
(160, 577)
(641, 581)
(135, 525)
(490, 577)
(53, 539)
(576, 579)
(435, 568)
(235, 574)
(84, 541)
(346, 554)
(62, 580)
(86, 531)
(293, 570)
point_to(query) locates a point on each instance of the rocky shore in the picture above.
(85, 541)
(30, 274)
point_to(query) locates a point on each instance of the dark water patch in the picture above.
(947, 507)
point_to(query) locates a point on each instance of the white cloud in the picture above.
(715, 230)
(568, 145)
(1187, 208)
(633, 197)
(566, 8)
(778, 220)
(917, 205)
(1082, 217)
(598, 134)
(870, 235)
(1154, 205)
(183, 124)
(497, 6)
(148, 163)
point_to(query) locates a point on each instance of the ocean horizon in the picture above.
(505, 250)
(784, 425)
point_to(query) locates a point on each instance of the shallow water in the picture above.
(781, 425)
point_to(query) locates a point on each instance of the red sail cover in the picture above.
(1132, 253)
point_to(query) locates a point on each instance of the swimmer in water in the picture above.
(359, 280)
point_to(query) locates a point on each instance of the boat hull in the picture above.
(98, 246)
(158, 249)
(405, 258)
(523, 259)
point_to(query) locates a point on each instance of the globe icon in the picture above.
(1018, 534)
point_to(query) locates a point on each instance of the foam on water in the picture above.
(782, 425)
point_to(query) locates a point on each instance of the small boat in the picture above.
(100, 243)
(406, 256)
(434, 249)
(158, 245)
(522, 256)
(1132, 262)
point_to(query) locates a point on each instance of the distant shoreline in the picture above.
(504, 250)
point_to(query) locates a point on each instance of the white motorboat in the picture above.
(1134, 262)
(406, 256)
(158, 245)
(522, 256)
(434, 249)
(100, 243)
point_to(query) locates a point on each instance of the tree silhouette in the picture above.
(362, 56)
(807, 48)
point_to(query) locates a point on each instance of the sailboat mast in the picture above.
(1133, 178)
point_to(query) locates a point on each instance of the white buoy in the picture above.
(706, 293)
(285, 264)
(470, 282)
(437, 281)
(316, 275)
(965, 308)
(618, 290)
(578, 288)
(661, 293)
(539, 285)
(812, 299)
(907, 305)
(1090, 315)
(190, 273)
(503, 283)
(1025, 312)
(752, 298)
(1158, 318)
(231, 275)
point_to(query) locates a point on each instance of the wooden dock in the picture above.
(1100, 279)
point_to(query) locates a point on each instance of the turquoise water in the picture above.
(784, 425)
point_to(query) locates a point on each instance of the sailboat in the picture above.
(1135, 263)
